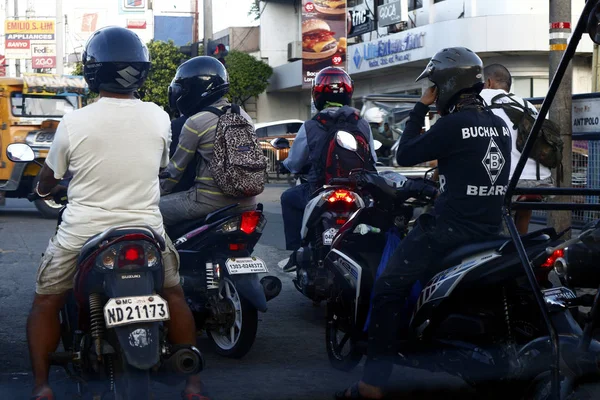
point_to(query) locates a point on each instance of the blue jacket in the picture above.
(308, 145)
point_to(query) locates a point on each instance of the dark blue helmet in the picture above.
(115, 60)
(198, 83)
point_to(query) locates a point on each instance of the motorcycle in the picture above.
(112, 323)
(220, 276)
(477, 319)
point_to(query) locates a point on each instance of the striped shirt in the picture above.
(198, 136)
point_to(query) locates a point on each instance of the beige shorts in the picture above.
(58, 266)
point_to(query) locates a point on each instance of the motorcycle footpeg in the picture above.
(63, 358)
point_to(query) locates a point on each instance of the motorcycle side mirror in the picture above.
(19, 152)
(377, 144)
(280, 143)
(593, 25)
(346, 140)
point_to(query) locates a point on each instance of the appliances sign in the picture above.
(22, 34)
(394, 49)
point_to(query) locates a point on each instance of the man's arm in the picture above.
(57, 162)
(186, 149)
(298, 155)
(415, 148)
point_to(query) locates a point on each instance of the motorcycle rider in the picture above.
(472, 146)
(331, 93)
(112, 185)
(199, 83)
(189, 176)
(374, 116)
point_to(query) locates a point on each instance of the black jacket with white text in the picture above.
(473, 151)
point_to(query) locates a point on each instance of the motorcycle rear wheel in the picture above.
(341, 360)
(236, 340)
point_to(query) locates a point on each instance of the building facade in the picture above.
(514, 33)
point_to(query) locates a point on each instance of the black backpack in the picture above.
(336, 161)
(548, 147)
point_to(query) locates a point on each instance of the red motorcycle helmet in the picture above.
(334, 85)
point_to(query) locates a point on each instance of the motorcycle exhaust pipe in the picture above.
(272, 286)
(186, 360)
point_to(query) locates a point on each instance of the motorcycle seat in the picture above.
(177, 231)
(92, 244)
(456, 256)
(501, 243)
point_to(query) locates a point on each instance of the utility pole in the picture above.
(196, 20)
(17, 61)
(561, 109)
(60, 39)
(208, 24)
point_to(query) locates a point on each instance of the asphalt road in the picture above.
(287, 362)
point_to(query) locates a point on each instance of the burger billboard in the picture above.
(324, 32)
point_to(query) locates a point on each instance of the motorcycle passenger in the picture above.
(199, 83)
(111, 186)
(187, 180)
(498, 81)
(332, 93)
(374, 116)
(472, 146)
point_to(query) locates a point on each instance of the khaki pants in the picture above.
(59, 265)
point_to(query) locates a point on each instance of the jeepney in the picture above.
(30, 110)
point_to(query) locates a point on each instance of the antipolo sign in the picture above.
(22, 35)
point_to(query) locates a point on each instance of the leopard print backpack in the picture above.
(238, 165)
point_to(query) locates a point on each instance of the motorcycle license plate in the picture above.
(131, 310)
(328, 236)
(245, 265)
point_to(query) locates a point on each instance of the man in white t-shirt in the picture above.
(114, 150)
(498, 81)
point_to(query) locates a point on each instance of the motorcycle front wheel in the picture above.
(235, 339)
(343, 353)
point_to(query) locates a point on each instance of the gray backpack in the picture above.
(238, 165)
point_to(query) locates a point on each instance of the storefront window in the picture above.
(414, 4)
(530, 87)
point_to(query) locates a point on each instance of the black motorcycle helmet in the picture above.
(115, 60)
(198, 83)
(334, 85)
(454, 71)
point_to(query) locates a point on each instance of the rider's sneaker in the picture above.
(291, 264)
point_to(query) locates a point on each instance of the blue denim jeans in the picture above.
(293, 202)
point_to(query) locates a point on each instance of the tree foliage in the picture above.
(255, 10)
(248, 77)
(165, 57)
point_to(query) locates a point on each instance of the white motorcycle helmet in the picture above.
(374, 115)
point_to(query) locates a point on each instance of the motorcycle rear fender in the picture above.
(249, 287)
(139, 342)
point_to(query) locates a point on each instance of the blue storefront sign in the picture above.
(394, 49)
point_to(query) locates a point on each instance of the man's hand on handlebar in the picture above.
(282, 169)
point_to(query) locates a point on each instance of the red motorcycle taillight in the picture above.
(341, 195)
(131, 255)
(549, 263)
(249, 221)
